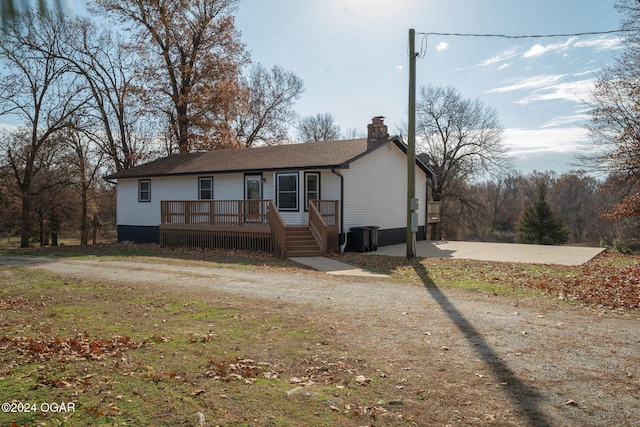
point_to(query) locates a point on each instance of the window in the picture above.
(144, 190)
(205, 188)
(287, 191)
(311, 188)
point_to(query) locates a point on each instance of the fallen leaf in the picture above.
(362, 380)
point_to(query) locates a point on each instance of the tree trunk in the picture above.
(41, 226)
(25, 219)
(95, 223)
(84, 226)
(183, 128)
(54, 229)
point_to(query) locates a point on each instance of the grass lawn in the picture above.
(82, 353)
(87, 352)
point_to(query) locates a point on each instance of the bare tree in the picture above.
(85, 161)
(503, 200)
(107, 68)
(266, 110)
(354, 133)
(615, 117)
(459, 138)
(574, 197)
(10, 206)
(41, 92)
(320, 127)
(99, 57)
(191, 59)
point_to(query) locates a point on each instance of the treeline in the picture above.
(177, 78)
(493, 210)
(89, 98)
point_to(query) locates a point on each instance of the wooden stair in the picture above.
(300, 242)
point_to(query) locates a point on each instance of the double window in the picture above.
(205, 188)
(144, 190)
(287, 191)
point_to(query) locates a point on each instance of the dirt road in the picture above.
(549, 363)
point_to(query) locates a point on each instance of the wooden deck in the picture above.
(248, 225)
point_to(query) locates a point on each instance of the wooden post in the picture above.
(411, 143)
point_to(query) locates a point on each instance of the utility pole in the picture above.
(412, 221)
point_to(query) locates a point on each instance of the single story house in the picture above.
(295, 199)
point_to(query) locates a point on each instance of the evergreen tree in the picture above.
(540, 225)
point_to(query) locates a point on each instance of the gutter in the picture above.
(342, 233)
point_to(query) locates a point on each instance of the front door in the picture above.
(253, 196)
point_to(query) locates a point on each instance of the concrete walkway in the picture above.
(336, 268)
(503, 252)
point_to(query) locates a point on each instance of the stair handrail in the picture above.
(278, 231)
(318, 226)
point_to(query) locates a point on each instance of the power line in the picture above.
(528, 36)
(423, 44)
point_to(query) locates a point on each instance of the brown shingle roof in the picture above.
(310, 155)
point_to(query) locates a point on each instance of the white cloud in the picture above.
(572, 119)
(535, 50)
(539, 50)
(542, 80)
(557, 140)
(399, 68)
(585, 73)
(442, 46)
(503, 66)
(577, 91)
(501, 57)
(601, 43)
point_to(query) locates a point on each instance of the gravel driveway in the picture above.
(555, 364)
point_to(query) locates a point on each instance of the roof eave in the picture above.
(217, 172)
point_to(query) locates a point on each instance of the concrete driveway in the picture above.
(505, 252)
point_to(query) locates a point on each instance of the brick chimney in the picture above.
(377, 130)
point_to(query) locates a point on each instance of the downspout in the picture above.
(343, 235)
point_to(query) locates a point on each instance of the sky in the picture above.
(353, 58)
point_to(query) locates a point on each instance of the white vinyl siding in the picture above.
(225, 187)
(130, 212)
(373, 196)
(329, 190)
(228, 186)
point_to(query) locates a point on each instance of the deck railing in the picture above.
(323, 220)
(243, 213)
(328, 209)
(278, 231)
(241, 224)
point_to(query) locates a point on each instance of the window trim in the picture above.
(306, 188)
(204, 178)
(140, 191)
(254, 175)
(297, 191)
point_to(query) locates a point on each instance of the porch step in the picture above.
(301, 243)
